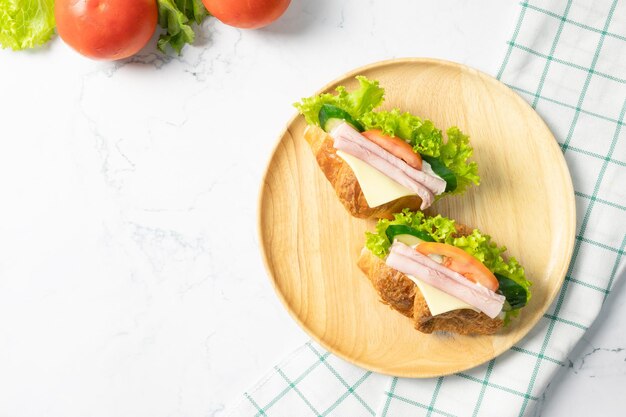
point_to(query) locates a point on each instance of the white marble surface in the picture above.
(130, 277)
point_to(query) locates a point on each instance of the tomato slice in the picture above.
(462, 262)
(395, 146)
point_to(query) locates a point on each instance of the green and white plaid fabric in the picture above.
(313, 382)
(567, 58)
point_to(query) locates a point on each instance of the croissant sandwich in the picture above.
(380, 162)
(443, 275)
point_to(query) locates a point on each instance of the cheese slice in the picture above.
(438, 301)
(377, 187)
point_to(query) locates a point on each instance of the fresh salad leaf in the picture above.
(176, 17)
(443, 230)
(358, 102)
(427, 140)
(26, 23)
(454, 155)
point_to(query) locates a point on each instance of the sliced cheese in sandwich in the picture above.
(438, 301)
(377, 187)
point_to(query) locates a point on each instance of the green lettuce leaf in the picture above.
(176, 17)
(26, 23)
(358, 102)
(454, 154)
(443, 230)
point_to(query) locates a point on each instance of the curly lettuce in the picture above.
(358, 102)
(438, 227)
(26, 23)
(454, 154)
(176, 17)
(443, 230)
(422, 134)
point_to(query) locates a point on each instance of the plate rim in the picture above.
(571, 236)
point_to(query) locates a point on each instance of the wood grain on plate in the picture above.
(525, 201)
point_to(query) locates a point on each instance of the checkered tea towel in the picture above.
(567, 58)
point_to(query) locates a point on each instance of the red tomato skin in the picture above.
(247, 14)
(395, 146)
(462, 262)
(106, 29)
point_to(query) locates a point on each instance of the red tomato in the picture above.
(106, 29)
(395, 146)
(247, 14)
(462, 262)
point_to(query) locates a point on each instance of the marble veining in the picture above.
(130, 278)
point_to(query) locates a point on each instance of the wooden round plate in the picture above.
(525, 201)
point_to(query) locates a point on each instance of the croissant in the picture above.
(401, 294)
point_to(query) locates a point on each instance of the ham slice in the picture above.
(409, 261)
(387, 169)
(426, 186)
(347, 132)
